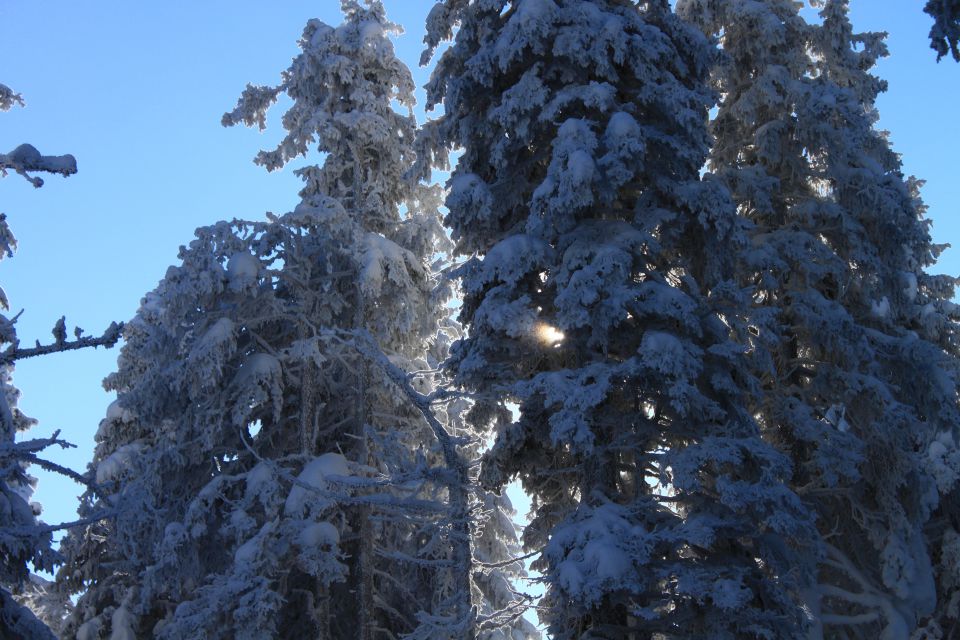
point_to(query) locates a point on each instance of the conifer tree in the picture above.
(276, 469)
(854, 341)
(597, 298)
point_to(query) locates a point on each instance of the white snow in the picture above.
(370, 31)
(246, 554)
(258, 367)
(944, 457)
(220, 331)
(319, 534)
(243, 268)
(384, 259)
(836, 415)
(118, 413)
(909, 286)
(581, 167)
(880, 308)
(115, 415)
(116, 463)
(261, 483)
(121, 624)
(315, 474)
(89, 630)
(729, 594)
(622, 125)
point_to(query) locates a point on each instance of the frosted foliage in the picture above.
(117, 463)
(312, 478)
(343, 85)
(594, 553)
(242, 270)
(944, 460)
(598, 270)
(857, 342)
(945, 32)
(9, 98)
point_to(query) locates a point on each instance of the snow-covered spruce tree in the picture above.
(596, 300)
(945, 32)
(25, 540)
(276, 470)
(856, 344)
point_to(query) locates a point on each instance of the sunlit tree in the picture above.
(596, 297)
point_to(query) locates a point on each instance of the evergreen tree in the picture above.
(276, 470)
(854, 341)
(598, 299)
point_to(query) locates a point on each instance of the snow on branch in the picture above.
(26, 158)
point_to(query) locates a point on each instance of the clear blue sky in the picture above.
(135, 91)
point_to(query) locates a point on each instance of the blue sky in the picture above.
(136, 90)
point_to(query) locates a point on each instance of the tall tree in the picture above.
(598, 299)
(277, 463)
(24, 540)
(855, 342)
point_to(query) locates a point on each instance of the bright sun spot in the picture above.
(548, 334)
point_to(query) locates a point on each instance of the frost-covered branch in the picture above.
(109, 338)
(26, 158)
(27, 452)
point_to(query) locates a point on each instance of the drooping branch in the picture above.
(945, 32)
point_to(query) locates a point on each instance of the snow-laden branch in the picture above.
(50, 528)
(26, 158)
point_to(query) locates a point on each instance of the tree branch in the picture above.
(26, 158)
(109, 338)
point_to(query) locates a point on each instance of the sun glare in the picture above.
(549, 335)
